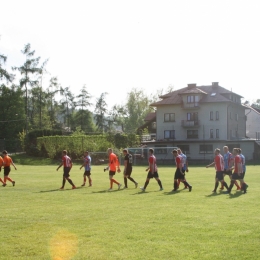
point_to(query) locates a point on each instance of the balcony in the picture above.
(193, 105)
(190, 123)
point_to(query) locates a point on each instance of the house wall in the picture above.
(252, 124)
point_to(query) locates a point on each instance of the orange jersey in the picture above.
(7, 161)
(113, 162)
(1, 161)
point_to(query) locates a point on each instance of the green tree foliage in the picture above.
(82, 118)
(12, 116)
(100, 112)
(137, 107)
(4, 74)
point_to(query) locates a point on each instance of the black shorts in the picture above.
(227, 172)
(111, 173)
(154, 175)
(128, 171)
(179, 175)
(235, 176)
(87, 173)
(220, 175)
(7, 170)
(66, 172)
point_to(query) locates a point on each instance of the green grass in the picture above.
(39, 221)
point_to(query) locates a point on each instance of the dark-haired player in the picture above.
(7, 162)
(128, 160)
(184, 165)
(87, 173)
(179, 174)
(67, 165)
(219, 166)
(153, 171)
(238, 171)
(228, 161)
(113, 167)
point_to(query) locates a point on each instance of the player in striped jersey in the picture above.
(184, 162)
(87, 173)
(153, 171)
(243, 165)
(238, 171)
(67, 165)
(228, 161)
(179, 173)
(219, 166)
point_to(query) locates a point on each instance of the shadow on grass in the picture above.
(172, 192)
(42, 191)
(214, 194)
(144, 192)
(235, 195)
(104, 191)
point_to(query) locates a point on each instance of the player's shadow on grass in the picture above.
(144, 192)
(214, 194)
(42, 191)
(105, 191)
(235, 195)
(172, 192)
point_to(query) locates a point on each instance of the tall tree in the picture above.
(118, 116)
(83, 102)
(137, 107)
(30, 71)
(4, 74)
(100, 111)
(12, 113)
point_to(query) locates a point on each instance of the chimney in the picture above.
(214, 84)
(193, 85)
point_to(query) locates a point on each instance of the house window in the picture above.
(169, 134)
(192, 116)
(185, 148)
(169, 117)
(206, 148)
(217, 133)
(217, 115)
(192, 134)
(190, 99)
(211, 115)
(211, 133)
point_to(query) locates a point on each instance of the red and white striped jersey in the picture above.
(66, 161)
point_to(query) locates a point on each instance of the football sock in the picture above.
(222, 186)
(175, 185)
(216, 185)
(160, 183)
(186, 183)
(85, 179)
(125, 181)
(179, 182)
(113, 180)
(146, 184)
(243, 187)
(131, 179)
(7, 178)
(70, 181)
(237, 184)
(63, 182)
(231, 186)
(225, 185)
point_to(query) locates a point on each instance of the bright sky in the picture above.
(116, 45)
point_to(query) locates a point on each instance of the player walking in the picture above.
(228, 160)
(219, 166)
(1, 164)
(7, 162)
(87, 173)
(243, 166)
(153, 172)
(113, 167)
(184, 165)
(179, 174)
(128, 160)
(67, 165)
(238, 171)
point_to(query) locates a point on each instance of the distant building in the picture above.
(199, 119)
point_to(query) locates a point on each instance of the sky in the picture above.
(117, 45)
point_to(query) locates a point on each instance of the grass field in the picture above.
(39, 221)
